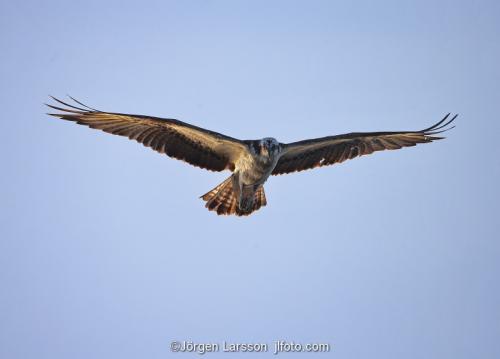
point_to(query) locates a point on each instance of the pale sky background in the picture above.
(106, 251)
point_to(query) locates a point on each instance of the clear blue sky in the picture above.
(106, 251)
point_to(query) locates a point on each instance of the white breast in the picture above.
(255, 169)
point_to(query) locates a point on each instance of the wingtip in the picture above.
(69, 105)
(441, 126)
(82, 104)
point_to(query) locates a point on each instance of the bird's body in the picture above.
(253, 170)
(251, 161)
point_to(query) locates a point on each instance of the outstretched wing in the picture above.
(303, 155)
(197, 146)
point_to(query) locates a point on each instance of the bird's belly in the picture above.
(255, 174)
(253, 177)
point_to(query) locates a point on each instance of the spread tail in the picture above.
(224, 201)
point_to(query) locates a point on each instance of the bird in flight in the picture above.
(250, 161)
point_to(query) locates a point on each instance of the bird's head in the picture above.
(268, 147)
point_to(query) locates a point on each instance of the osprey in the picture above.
(250, 161)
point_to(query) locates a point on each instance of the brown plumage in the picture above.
(199, 147)
(250, 161)
(308, 154)
(223, 200)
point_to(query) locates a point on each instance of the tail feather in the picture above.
(223, 200)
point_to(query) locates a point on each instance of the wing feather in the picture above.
(197, 146)
(307, 154)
